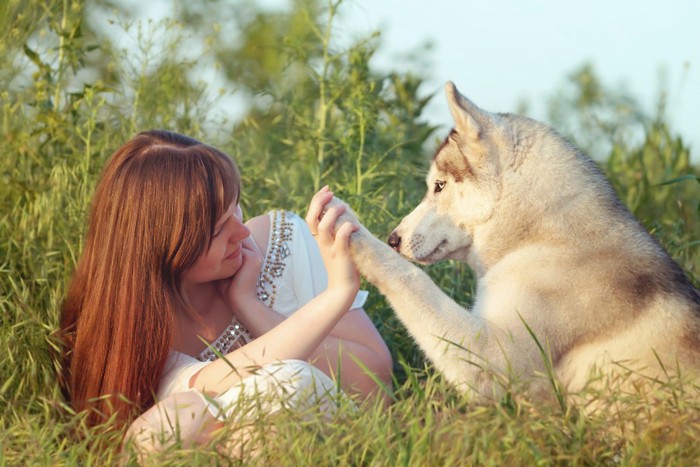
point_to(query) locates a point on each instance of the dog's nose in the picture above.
(394, 240)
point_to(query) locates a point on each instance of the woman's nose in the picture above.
(241, 230)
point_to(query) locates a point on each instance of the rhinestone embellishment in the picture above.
(277, 251)
(234, 337)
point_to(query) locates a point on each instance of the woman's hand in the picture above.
(240, 290)
(335, 246)
(299, 335)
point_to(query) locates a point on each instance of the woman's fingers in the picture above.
(322, 219)
(326, 226)
(341, 245)
(316, 208)
(249, 244)
(342, 235)
(252, 263)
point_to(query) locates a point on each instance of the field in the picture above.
(316, 114)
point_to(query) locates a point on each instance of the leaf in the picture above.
(33, 56)
(680, 179)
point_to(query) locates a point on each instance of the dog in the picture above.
(569, 283)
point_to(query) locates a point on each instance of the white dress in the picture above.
(292, 274)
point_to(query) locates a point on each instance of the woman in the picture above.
(169, 267)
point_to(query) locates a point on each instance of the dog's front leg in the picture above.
(463, 347)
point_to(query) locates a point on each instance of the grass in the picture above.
(321, 115)
(429, 424)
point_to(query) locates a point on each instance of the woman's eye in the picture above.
(439, 185)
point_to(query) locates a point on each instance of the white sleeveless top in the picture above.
(292, 274)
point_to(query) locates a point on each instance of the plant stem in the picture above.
(61, 56)
(323, 105)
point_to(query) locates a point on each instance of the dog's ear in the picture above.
(470, 120)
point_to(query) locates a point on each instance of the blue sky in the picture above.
(499, 52)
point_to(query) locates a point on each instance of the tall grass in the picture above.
(326, 117)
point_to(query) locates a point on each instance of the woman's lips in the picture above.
(234, 253)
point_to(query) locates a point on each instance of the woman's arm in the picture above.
(294, 338)
(299, 335)
(352, 349)
(354, 337)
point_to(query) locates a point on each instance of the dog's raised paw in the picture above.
(348, 216)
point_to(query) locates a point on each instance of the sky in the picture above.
(500, 52)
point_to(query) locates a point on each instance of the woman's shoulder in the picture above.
(282, 222)
(260, 230)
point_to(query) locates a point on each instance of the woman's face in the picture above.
(224, 256)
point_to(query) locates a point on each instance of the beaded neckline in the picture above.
(234, 337)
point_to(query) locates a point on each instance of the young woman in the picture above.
(171, 279)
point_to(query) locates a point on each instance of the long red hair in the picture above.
(153, 214)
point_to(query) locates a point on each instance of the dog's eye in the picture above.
(439, 185)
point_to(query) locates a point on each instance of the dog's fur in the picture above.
(559, 262)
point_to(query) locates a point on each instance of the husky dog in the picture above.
(567, 279)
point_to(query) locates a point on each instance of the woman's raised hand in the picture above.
(241, 289)
(334, 245)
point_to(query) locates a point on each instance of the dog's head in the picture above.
(463, 187)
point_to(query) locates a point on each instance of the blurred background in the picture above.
(512, 55)
(516, 56)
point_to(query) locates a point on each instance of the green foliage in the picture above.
(318, 113)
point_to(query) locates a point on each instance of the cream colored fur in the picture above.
(552, 248)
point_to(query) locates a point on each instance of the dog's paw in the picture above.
(348, 216)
